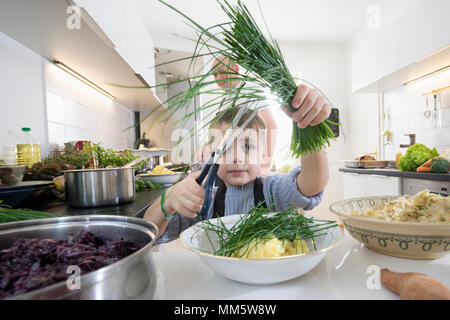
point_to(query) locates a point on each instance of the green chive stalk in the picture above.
(258, 225)
(240, 40)
(13, 215)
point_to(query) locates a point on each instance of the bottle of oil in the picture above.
(28, 150)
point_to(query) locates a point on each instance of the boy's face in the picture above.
(241, 162)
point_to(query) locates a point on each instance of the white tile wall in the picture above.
(407, 108)
(21, 93)
(78, 112)
(69, 121)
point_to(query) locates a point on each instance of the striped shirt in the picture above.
(280, 193)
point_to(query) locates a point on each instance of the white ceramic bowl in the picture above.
(261, 272)
(164, 179)
(412, 240)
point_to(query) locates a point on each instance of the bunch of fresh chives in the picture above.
(241, 41)
(258, 225)
(13, 215)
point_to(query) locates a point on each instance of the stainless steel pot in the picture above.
(99, 187)
(126, 279)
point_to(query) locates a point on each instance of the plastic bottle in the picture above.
(28, 150)
(9, 149)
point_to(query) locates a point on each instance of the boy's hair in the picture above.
(227, 117)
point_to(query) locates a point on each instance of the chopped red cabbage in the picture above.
(31, 264)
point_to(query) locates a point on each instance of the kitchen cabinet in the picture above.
(120, 21)
(377, 185)
(363, 185)
(376, 58)
(407, 45)
(354, 185)
(423, 31)
(87, 49)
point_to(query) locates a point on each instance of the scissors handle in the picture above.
(208, 190)
(205, 169)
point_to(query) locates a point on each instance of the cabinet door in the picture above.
(122, 24)
(354, 185)
(375, 59)
(423, 31)
(382, 186)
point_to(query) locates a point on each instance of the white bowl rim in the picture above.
(199, 252)
(380, 221)
(160, 175)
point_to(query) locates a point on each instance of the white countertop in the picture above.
(342, 274)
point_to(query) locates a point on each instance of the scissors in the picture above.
(212, 165)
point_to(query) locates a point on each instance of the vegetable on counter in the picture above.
(146, 185)
(108, 158)
(439, 165)
(69, 158)
(415, 156)
(425, 167)
(414, 286)
(435, 165)
(13, 215)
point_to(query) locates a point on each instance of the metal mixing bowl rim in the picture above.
(140, 223)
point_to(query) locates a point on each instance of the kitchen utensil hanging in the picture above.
(427, 112)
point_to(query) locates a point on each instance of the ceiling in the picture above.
(318, 21)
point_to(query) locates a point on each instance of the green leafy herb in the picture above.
(258, 225)
(69, 156)
(13, 215)
(239, 39)
(108, 158)
(146, 185)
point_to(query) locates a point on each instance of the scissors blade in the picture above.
(230, 138)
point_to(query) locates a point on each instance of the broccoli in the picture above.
(439, 165)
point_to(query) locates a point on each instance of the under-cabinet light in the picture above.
(427, 75)
(86, 81)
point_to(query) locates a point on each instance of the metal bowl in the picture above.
(99, 187)
(124, 279)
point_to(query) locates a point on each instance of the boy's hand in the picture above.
(204, 153)
(186, 197)
(310, 107)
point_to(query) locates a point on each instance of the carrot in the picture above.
(414, 286)
(425, 167)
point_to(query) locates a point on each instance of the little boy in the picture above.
(240, 188)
